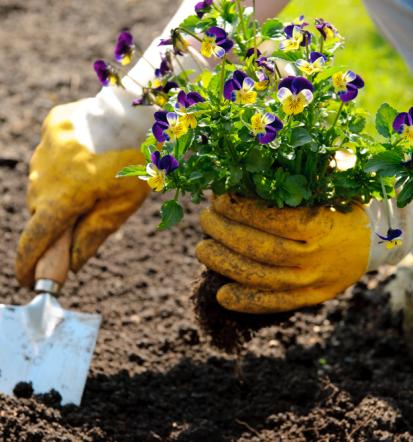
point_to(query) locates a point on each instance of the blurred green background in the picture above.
(387, 77)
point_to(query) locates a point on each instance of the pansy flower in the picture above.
(392, 239)
(125, 48)
(158, 169)
(106, 73)
(168, 126)
(296, 35)
(252, 51)
(263, 81)
(265, 127)
(403, 124)
(326, 29)
(295, 93)
(177, 41)
(165, 67)
(202, 7)
(240, 89)
(314, 64)
(216, 42)
(263, 62)
(347, 85)
(183, 105)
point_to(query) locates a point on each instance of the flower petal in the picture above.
(350, 94)
(283, 94)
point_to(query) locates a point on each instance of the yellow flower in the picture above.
(156, 177)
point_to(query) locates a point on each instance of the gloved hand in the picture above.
(71, 185)
(284, 259)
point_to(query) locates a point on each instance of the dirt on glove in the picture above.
(339, 372)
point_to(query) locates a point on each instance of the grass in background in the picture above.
(387, 77)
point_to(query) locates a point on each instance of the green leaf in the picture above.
(329, 72)
(171, 214)
(234, 177)
(386, 163)
(272, 28)
(135, 170)
(384, 120)
(357, 124)
(190, 22)
(297, 190)
(300, 136)
(258, 160)
(406, 194)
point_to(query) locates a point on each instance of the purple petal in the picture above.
(182, 99)
(270, 135)
(155, 158)
(168, 163)
(315, 56)
(165, 42)
(102, 71)
(286, 82)
(351, 93)
(400, 120)
(200, 9)
(288, 31)
(307, 37)
(158, 131)
(251, 52)
(238, 78)
(300, 83)
(170, 85)
(160, 116)
(277, 124)
(229, 88)
(248, 84)
(227, 44)
(194, 97)
(410, 116)
(216, 32)
(358, 82)
(124, 45)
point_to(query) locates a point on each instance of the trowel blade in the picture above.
(48, 346)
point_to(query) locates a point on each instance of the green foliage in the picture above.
(384, 120)
(171, 214)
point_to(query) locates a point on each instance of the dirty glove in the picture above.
(284, 259)
(72, 173)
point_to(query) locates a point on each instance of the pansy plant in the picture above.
(249, 128)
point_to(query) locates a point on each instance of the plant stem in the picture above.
(321, 44)
(192, 34)
(241, 19)
(224, 59)
(338, 114)
(387, 208)
(177, 194)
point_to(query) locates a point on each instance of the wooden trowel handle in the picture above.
(54, 264)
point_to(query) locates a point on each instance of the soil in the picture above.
(339, 372)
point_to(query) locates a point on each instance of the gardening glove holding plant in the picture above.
(284, 259)
(84, 145)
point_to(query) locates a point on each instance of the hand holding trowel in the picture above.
(41, 342)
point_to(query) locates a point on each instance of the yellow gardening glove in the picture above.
(284, 259)
(70, 185)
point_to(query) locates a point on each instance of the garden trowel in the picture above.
(41, 342)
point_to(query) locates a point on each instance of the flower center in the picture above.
(258, 125)
(339, 82)
(407, 133)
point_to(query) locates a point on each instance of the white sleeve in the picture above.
(108, 121)
(394, 18)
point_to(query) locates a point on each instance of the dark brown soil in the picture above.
(339, 372)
